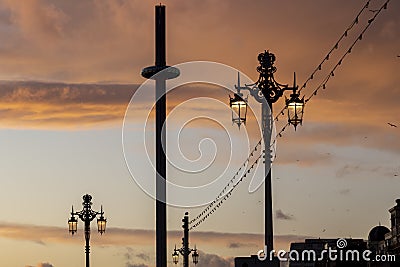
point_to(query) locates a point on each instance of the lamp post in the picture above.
(267, 91)
(185, 251)
(87, 215)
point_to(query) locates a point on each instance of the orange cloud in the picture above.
(136, 237)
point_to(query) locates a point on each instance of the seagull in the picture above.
(391, 124)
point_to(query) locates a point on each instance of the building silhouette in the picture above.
(381, 241)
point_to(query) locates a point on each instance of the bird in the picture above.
(323, 230)
(391, 124)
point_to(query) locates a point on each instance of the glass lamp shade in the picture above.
(101, 224)
(239, 109)
(175, 257)
(195, 256)
(72, 225)
(295, 110)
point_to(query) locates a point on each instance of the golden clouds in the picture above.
(43, 105)
(137, 237)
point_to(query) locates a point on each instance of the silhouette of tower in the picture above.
(160, 73)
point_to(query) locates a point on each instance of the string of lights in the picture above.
(231, 181)
(216, 203)
(327, 57)
(331, 74)
(213, 206)
(336, 46)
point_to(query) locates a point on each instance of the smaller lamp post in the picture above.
(185, 250)
(87, 215)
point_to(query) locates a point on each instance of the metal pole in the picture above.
(268, 222)
(87, 238)
(161, 215)
(186, 240)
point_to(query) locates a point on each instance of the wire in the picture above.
(231, 181)
(324, 82)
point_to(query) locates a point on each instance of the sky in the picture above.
(69, 75)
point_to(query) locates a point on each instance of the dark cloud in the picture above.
(63, 93)
(347, 170)
(43, 264)
(344, 192)
(206, 260)
(240, 245)
(143, 256)
(136, 265)
(282, 216)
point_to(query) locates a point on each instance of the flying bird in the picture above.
(391, 124)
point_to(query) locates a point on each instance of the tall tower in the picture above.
(161, 146)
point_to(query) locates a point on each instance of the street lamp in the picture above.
(87, 215)
(295, 109)
(238, 105)
(175, 256)
(267, 91)
(185, 251)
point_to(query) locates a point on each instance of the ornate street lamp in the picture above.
(101, 222)
(72, 223)
(238, 105)
(295, 109)
(87, 215)
(195, 256)
(185, 251)
(267, 91)
(175, 256)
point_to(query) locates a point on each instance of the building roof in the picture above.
(378, 233)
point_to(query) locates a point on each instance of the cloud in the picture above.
(59, 40)
(143, 256)
(43, 264)
(56, 105)
(136, 265)
(344, 192)
(134, 237)
(240, 245)
(347, 170)
(213, 260)
(282, 216)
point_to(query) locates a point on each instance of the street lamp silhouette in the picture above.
(185, 251)
(87, 215)
(238, 105)
(267, 91)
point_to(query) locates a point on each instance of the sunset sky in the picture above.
(68, 71)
